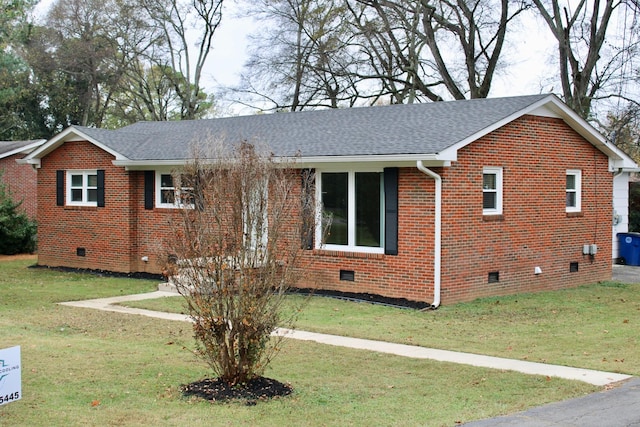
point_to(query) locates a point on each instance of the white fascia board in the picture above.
(133, 165)
(622, 165)
(433, 160)
(69, 134)
(408, 160)
(25, 149)
(453, 150)
(591, 134)
(309, 159)
(552, 106)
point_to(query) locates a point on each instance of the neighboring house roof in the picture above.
(9, 148)
(403, 132)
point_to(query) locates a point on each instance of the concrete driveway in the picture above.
(616, 406)
(626, 274)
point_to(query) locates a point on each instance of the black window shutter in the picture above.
(59, 188)
(149, 184)
(391, 211)
(307, 178)
(100, 188)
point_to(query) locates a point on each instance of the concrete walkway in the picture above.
(598, 378)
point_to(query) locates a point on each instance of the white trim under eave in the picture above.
(399, 160)
(618, 159)
(453, 150)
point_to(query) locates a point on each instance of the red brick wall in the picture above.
(21, 181)
(534, 230)
(104, 233)
(151, 229)
(407, 275)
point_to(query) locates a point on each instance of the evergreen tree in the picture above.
(17, 231)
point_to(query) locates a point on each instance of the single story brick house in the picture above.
(440, 202)
(20, 180)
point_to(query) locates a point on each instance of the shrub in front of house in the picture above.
(17, 230)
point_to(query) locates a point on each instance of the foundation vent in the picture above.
(348, 275)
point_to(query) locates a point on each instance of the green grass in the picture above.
(86, 367)
(594, 327)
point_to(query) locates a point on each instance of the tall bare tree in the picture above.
(623, 129)
(174, 21)
(434, 49)
(589, 57)
(299, 58)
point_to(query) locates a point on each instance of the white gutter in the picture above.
(437, 231)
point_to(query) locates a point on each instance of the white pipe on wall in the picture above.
(437, 231)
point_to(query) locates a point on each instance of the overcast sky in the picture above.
(527, 58)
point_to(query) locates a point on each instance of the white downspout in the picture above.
(437, 231)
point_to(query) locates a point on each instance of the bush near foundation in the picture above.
(17, 231)
(235, 251)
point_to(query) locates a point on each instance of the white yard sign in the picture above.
(10, 376)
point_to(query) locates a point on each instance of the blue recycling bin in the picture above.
(629, 248)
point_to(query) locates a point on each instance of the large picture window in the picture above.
(353, 203)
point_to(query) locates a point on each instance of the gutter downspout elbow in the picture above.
(437, 232)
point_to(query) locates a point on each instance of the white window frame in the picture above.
(351, 219)
(497, 171)
(177, 196)
(577, 173)
(85, 187)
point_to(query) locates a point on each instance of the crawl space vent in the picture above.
(348, 275)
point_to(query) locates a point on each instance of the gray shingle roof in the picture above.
(382, 130)
(12, 146)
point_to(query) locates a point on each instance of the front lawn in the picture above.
(86, 367)
(593, 327)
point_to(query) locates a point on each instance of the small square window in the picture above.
(494, 277)
(573, 267)
(171, 194)
(82, 188)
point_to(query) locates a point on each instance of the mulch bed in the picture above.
(364, 297)
(257, 389)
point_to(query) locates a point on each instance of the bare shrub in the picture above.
(235, 251)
